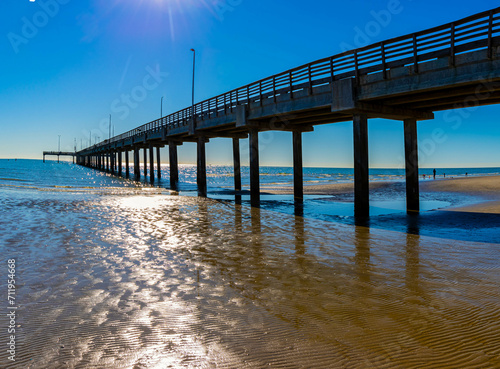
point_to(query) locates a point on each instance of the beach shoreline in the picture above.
(485, 190)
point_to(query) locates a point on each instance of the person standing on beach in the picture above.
(434, 172)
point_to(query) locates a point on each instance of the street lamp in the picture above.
(192, 97)
(161, 108)
(59, 145)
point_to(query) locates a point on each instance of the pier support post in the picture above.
(361, 179)
(151, 163)
(145, 162)
(174, 166)
(254, 168)
(201, 166)
(127, 167)
(44, 158)
(120, 169)
(236, 164)
(137, 169)
(158, 162)
(298, 185)
(107, 162)
(112, 164)
(411, 159)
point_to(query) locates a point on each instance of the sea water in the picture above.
(116, 274)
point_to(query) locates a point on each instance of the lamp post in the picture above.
(109, 133)
(59, 145)
(192, 97)
(161, 108)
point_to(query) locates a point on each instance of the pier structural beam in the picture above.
(145, 162)
(120, 163)
(411, 158)
(254, 168)
(137, 169)
(174, 165)
(158, 162)
(127, 166)
(361, 179)
(236, 164)
(201, 168)
(298, 184)
(151, 163)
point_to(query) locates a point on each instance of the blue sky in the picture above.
(68, 64)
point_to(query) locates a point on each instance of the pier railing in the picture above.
(480, 31)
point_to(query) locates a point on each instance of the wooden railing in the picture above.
(480, 31)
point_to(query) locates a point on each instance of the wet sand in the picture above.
(485, 189)
(157, 281)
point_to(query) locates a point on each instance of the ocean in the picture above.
(109, 273)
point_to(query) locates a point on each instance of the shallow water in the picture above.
(111, 275)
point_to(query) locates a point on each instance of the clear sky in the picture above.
(68, 64)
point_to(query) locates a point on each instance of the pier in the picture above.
(58, 154)
(407, 79)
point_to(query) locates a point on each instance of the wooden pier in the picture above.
(58, 154)
(407, 79)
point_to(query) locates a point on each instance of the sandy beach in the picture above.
(486, 189)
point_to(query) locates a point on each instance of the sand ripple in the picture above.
(126, 280)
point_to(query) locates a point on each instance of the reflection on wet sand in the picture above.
(165, 281)
(412, 261)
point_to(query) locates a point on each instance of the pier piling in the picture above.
(254, 167)
(158, 162)
(236, 164)
(174, 166)
(361, 179)
(137, 169)
(120, 163)
(298, 185)
(201, 167)
(127, 166)
(151, 164)
(145, 152)
(411, 167)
